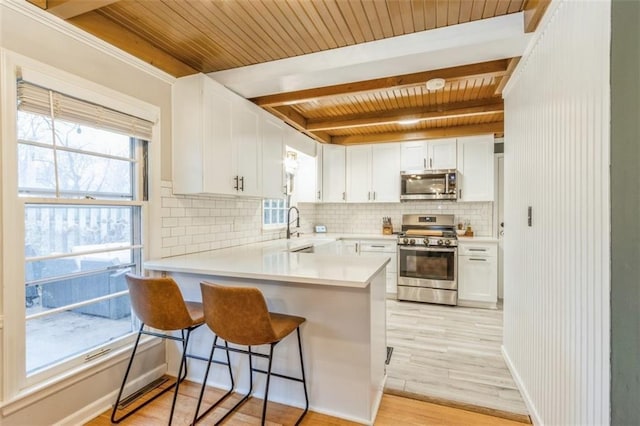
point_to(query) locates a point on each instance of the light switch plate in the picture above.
(321, 229)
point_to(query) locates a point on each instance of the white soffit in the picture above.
(473, 42)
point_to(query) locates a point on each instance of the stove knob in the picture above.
(426, 241)
(447, 242)
(405, 240)
(412, 241)
(440, 242)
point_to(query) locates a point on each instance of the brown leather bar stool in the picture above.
(239, 315)
(158, 303)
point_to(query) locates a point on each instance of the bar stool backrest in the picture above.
(237, 314)
(158, 302)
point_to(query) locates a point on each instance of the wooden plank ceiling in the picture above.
(184, 37)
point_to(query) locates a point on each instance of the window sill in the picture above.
(33, 394)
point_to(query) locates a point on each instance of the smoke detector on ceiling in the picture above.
(435, 84)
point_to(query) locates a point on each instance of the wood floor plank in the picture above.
(394, 410)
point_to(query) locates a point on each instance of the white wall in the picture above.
(556, 312)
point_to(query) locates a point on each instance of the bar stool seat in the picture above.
(158, 303)
(239, 315)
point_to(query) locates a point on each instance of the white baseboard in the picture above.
(533, 413)
(105, 403)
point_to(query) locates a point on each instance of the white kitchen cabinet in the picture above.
(476, 168)
(435, 154)
(246, 147)
(386, 248)
(216, 141)
(272, 132)
(373, 173)
(333, 173)
(477, 273)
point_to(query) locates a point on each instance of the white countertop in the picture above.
(272, 260)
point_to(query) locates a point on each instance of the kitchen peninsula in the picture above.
(344, 337)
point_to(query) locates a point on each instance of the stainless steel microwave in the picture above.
(429, 185)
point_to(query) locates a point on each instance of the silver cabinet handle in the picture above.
(376, 246)
(369, 195)
(478, 259)
(319, 195)
(424, 162)
(374, 195)
(242, 183)
(236, 186)
(477, 249)
(460, 192)
(431, 163)
(344, 196)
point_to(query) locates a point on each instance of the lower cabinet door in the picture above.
(478, 278)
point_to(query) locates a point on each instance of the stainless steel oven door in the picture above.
(433, 267)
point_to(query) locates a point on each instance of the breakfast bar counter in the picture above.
(344, 337)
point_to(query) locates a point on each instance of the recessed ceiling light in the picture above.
(408, 122)
(435, 84)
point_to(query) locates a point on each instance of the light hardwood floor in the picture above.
(394, 410)
(443, 353)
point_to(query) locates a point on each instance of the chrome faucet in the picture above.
(289, 221)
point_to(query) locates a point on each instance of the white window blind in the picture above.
(38, 100)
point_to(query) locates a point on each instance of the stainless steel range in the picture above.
(428, 259)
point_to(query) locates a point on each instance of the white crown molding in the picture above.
(52, 21)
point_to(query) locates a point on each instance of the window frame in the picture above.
(16, 384)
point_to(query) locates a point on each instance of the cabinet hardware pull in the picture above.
(319, 198)
(242, 183)
(374, 195)
(236, 186)
(424, 162)
(377, 246)
(344, 196)
(478, 259)
(460, 192)
(369, 195)
(431, 163)
(477, 249)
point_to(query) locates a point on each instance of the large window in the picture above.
(82, 180)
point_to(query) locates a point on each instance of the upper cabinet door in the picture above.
(436, 154)
(442, 154)
(202, 146)
(385, 172)
(333, 173)
(272, 132)
(413, 156)
(475, 163)
(247, 148)
(358, 174)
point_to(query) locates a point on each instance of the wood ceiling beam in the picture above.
(513, 63)
(436, 112)
(298, 122)
(42, 4)
(121, 37)
(533, 12)
(490, 69)
(437, 133)
(67, 9)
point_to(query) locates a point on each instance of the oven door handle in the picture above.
(436, 249)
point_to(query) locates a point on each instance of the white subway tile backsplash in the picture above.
(197, 223)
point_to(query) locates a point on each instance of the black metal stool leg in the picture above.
(183, 365)
(245, 397)
(124, 380)
(304, 380)
(266, 389)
